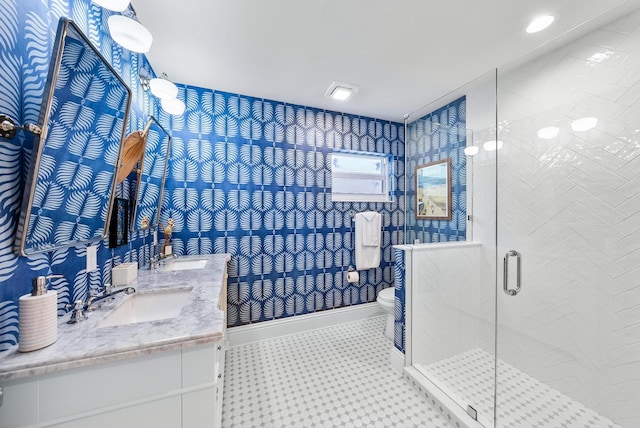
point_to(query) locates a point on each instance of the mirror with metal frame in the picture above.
(149, 185)
(71, 178)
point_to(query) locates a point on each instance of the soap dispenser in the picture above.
(38, 316)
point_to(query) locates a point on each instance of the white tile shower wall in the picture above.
(452, 301)
(571, 205)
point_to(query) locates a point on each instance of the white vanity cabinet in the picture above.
(166, 373)
(180, 388)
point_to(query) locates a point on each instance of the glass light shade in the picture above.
(540, 23)
(490, 146)
(130, 34)
(173, 106)
(471, 150)
(162, 88)
(584, 124)
(115, 5)
(548, 133)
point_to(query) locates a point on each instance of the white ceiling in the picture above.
(402, 54)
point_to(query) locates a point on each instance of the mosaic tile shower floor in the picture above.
(523, 401)
(332, 377)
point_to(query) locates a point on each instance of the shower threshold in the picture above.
(522, 400)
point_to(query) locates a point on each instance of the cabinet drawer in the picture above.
(108, 384)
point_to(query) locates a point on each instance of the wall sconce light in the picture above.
(115, 5)
(161, 87)
(164, 89)
(173, 106)
(126, 31)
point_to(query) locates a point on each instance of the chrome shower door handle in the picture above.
(505, 270)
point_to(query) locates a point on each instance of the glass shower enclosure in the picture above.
(534, 321)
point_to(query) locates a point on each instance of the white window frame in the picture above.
(385, 176)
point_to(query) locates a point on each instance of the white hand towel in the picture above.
(368, 224)
(371, 227)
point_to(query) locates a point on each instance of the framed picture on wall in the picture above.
(433, 190)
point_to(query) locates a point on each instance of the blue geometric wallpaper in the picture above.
(252, 177)
(247, 176)
(399, 337)
(439, 135)
(27, 33)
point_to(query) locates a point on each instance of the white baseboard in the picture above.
(300, 323)
(396, 360)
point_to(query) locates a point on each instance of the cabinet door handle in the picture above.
(505, 270)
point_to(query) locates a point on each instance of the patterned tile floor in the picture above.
(523, 401)
(332, 377)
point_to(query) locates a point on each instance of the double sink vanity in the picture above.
(154, 357)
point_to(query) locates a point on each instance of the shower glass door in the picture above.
(568, 334)
(452, 312)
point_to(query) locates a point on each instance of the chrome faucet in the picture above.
(156, 256)
(79, 307)
(159, 259)
(93, 299)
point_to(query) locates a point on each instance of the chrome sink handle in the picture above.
(77, 314)
(505, 273)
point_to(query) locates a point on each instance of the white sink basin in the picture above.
(142, 307)
(185, 264)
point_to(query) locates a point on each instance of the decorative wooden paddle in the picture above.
(133, 151)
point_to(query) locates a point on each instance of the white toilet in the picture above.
(387, 298)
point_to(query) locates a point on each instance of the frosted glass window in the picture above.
(360, 164)
(361, 177)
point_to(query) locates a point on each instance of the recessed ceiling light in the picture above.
(548, 133)
(490, 146)
(540, 23)
(584, 124)
(340, 91)
(471, 150)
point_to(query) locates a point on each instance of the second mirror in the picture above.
(149, 185)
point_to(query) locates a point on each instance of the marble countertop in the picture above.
(201, 320)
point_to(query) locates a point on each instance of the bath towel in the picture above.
(368, 239)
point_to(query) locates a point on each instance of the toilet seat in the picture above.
(387, 295)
